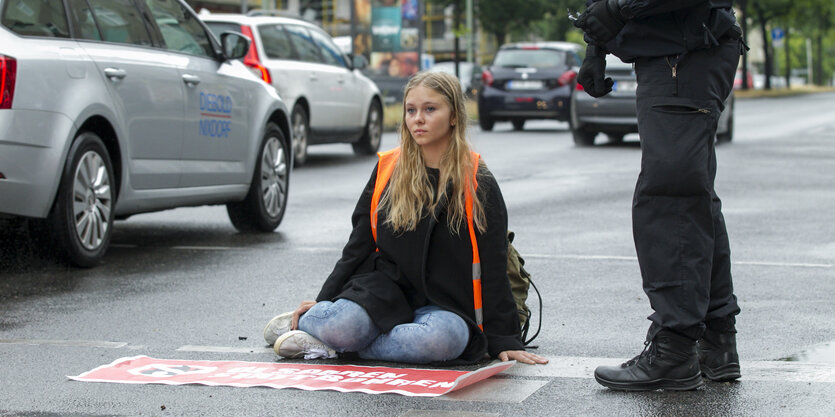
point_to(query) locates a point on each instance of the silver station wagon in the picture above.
(110, 108)
(331, 101)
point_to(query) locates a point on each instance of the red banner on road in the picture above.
(344, 378)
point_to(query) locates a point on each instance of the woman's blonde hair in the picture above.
(409, 192)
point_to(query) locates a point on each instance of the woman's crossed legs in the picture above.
(434, 335)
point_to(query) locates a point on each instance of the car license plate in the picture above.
(625, 86)
(524, 85)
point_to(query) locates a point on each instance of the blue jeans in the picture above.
(434, 335)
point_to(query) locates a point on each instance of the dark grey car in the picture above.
(615, 114)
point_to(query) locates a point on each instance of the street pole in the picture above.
(243, 6)
(470, 31)
(809, 60)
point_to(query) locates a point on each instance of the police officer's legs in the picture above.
(677, 224)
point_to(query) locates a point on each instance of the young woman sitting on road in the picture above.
(428, 282)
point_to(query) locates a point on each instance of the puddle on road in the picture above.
(817, 353)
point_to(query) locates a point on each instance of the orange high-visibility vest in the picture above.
(385, 167)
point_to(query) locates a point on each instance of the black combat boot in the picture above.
(669, 361)
(717, 355)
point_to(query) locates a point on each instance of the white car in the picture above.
(331, 100)
(110, 108)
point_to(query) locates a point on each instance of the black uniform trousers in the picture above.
(677, 220)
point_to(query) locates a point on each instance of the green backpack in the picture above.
(520, 283)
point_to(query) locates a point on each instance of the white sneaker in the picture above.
(297, 344)
(279, 325)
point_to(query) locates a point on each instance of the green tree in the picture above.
(553, 24)
(501, 17)
(765, 12)
(816, 19)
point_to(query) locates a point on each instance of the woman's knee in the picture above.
(446, 336)
(343, 325)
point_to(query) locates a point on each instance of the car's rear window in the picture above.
(276, 42)
(45, 18)
(529, 58)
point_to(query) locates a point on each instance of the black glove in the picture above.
(592, 72)
(601, 21)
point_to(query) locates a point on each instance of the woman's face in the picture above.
(428, 117)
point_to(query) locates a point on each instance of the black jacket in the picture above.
(671, 27)
(431, 265)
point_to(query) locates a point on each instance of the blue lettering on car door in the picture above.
(215, 112)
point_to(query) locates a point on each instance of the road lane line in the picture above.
(634, 259)
(81, 343)
(583, 367)
(497, 390)
(204, 248)
(225, 349)
(442, 413)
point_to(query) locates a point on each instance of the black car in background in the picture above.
(528, 81)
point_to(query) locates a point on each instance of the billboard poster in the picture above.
(394, 28)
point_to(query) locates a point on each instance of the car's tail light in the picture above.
(487, 77)
(566, 78)
(8, 73)
(578, 87)
(252, 60)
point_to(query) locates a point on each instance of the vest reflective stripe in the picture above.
(385, 167)
(384, 170)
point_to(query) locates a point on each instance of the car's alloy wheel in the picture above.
(369, 143)
(273, 177)
(301, 134)
(82, 215)
(263, 207)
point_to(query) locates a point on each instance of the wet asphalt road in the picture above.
(185, 278)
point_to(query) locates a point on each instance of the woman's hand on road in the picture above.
(305, 305)
(522, 356)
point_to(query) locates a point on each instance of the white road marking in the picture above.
(558, 366)
(204, 248)
(788, 264)
(224, 349)
(497, 390)
(583, 367)
(634, 259)
(314, 249)
(81, 343)
(442, 413)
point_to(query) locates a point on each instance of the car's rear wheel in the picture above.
(518, 124)
(485, 123)
(369, 143)
(301, 134)
(263, 207)
(82, 215)
(583, 137)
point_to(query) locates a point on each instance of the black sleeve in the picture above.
(501, 321)
(637, 9)
(359, 247)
